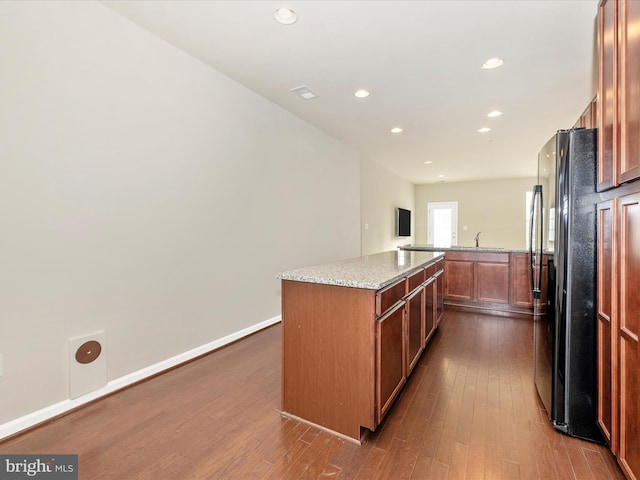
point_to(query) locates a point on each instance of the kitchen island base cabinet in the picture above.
(326, 328)
(390, 365)
(347, 352)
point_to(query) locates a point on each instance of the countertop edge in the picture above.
(427, 248)
(300, 275)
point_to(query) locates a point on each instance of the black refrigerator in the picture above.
(563, 229)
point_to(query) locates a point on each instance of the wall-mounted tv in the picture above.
(403, 222)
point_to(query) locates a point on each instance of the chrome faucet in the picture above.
(477, 239)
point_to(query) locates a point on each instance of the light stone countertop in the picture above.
(371, 271)
(429, 248)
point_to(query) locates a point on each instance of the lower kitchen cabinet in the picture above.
(628, 333)
(440, 265)
(520, 294)
(619, 328)
(415, 324)
(391, 373)
(492, 283)
(490, 280)
(460, 278)
(520, 280)
(430, 308)
(477, 279)
(607, 323)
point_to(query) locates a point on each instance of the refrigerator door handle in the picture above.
(533, 255)
(540, 245)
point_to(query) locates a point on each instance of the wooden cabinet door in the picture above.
(541, 303)
(492, 282)
(440, 291)
(390, 364)
(415, 335)
(607, 95)
(629, 331)
(459, 280)
(430, 308)
(520, 281)
(629, 90)
(607, 327)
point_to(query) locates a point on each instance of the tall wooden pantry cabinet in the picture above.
(619, 230)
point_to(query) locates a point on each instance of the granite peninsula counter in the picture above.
(495, 280)
(457, 248)
(352, 332)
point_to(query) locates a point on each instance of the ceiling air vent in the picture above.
(304, 92)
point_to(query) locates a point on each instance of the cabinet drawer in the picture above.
(430, 271)
(389, 296)
(415, 280)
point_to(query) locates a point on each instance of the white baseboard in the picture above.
(52, 411)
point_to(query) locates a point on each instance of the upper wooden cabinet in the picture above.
(589, 118)
(629, 90)
(619, 93)
(607, 94)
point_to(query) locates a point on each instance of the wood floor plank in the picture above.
(475, 462)
(438, 470)
(578, 460)
(596, 463)
(371, 464)
(470, 410)
(458, 463)
(389, 465)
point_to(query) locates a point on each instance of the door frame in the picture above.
(453, 206)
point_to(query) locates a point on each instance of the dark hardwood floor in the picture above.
(469, 411)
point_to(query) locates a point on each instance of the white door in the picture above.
(442, 224)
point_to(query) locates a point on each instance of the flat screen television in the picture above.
(403, 222)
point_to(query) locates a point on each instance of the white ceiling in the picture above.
(421, 62)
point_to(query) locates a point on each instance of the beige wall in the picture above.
(144, 194)
(382, 192)
(494, 207)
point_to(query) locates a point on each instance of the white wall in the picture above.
(144, 194)
(381, 192)
(497, 208)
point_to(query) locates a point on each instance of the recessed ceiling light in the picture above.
(285, 16)
(484, 130)
(440, 176)
(396, 130)
(492, 63)
(428, 162)
(362, 93)
(495, 113)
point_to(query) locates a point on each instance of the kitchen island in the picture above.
(489, 279)
(352, 331)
